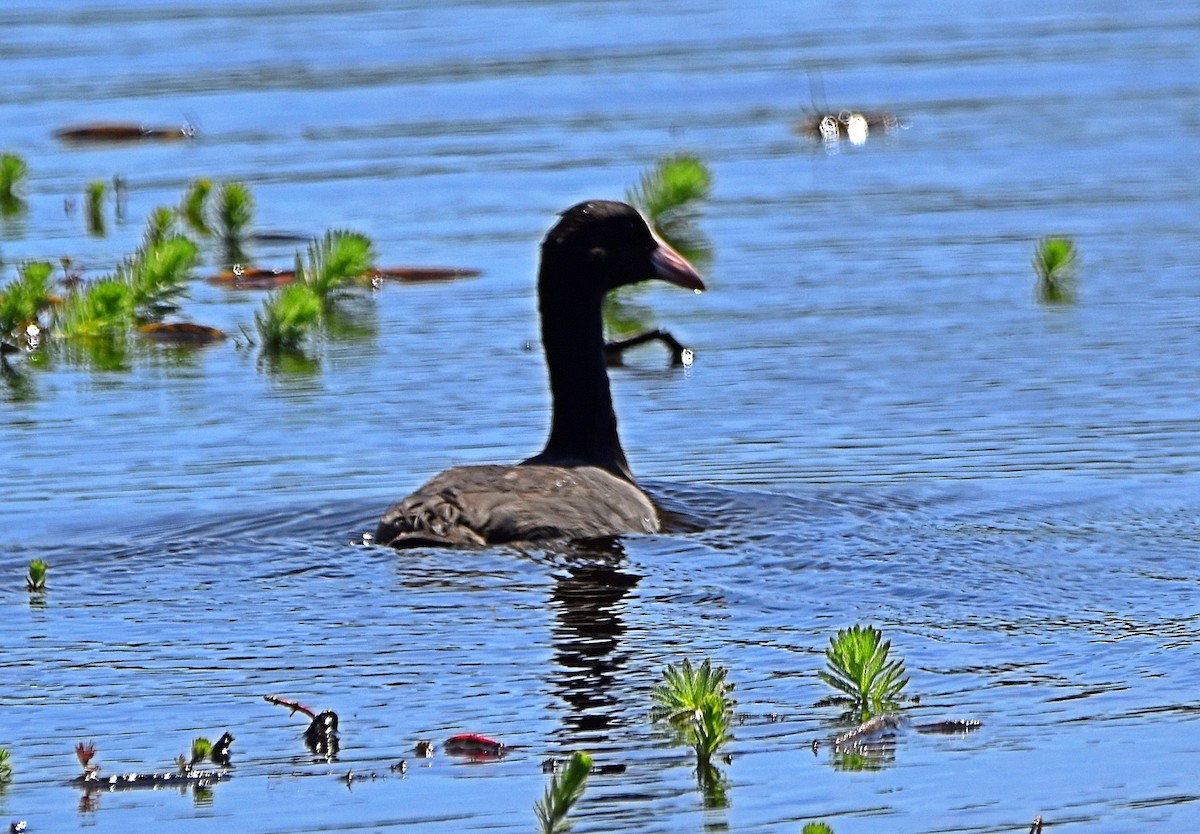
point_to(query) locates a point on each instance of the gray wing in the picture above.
(474, 506)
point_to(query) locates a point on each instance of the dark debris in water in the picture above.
(93, 781)
(99, 132)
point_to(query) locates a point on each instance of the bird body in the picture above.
(580, 485)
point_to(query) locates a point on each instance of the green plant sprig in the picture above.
(25, 298)
(291, 314)
(5, 766)
(858, 666)
(35, 579)
(669, 195)
(565, 789)
(1056, 262)
(235, 209)
(695, 701)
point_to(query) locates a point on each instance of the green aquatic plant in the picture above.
(565, 789)
(160, 226)
(1056, 263)
(288, 316)
(13, 171)
(24, 299)
(695, 701)
(235, 209)
(195, 206)
(97, 190)
(858, 666)
(5, 766)
(816, 828)
(143, 289)
(669, 195)
(35, 579)
(334, 261)
(201, 749)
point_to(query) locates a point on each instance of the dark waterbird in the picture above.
(580, 485)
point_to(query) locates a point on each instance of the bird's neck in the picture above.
(583, 426)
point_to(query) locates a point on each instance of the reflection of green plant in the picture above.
(566, 787)
(12, 174)
(5, 766)
(669, 195)
(95, 194)
(235, 208)
(289, 315)
(1056, 261)
(695, 701)
(858, 667)
(35, 580)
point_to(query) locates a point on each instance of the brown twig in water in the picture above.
(294, 706)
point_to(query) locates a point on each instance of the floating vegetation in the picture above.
(695, 701)
(670, 195)
(235, 210)
(22, 304)
(101, 132)
(816, 828)
(35, 579)
(194, 208)
(204, 750)
(5, 766)
(565, 789)
(290, 315)
(858, 666)
(13, 171)
(1056, 263)
(142, 290)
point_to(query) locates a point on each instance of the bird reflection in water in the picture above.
(589, 598)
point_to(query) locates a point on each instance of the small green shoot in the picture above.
(97, 190)
(695, 702)
(859, 668)
(12, 176)
(289, 315)
(142, 290)
(669, 195)
(201, 749)
(235, 209)
(565, 789)
(1056, 263)
(816, 828)
(341, 257)
(194, 209)
(35, 580)
(5, 766)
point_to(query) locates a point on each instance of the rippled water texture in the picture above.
(883, 424)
